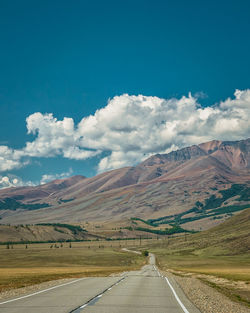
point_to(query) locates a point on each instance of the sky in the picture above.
(90, 86)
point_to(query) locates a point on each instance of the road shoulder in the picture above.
(204, 297)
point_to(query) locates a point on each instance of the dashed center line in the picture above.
(93, 300)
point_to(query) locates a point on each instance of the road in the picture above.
(144, 291)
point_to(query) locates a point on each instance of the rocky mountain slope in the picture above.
(190, 180)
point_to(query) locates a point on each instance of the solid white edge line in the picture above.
(36, 293)
(177, 298)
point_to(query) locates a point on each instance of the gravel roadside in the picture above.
(207, 299)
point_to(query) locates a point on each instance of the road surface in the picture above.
(144, 291)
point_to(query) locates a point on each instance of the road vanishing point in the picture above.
(143, 291)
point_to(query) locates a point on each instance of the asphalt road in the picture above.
(144, 291)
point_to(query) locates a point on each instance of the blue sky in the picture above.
(71, 58)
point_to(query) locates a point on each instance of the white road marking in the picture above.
(176, 297)
(36, 293)
(92, 300)
(157, 271)
(98, 296)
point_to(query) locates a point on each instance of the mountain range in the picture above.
(196, 187)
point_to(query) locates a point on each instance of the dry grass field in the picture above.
(23, 266)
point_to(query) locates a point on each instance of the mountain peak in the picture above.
(210, 146)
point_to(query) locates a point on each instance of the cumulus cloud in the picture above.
(49, 177)
(10, 180)
(131, 128)
(54, 138)
(10, 158)
(135, 127)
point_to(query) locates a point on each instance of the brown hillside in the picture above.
(162, 185)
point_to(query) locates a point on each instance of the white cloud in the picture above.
(10, 180)
(130, 128)
(134, 127)
(10, 158)
(54, 138)
(5, 182)
(49, 177)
